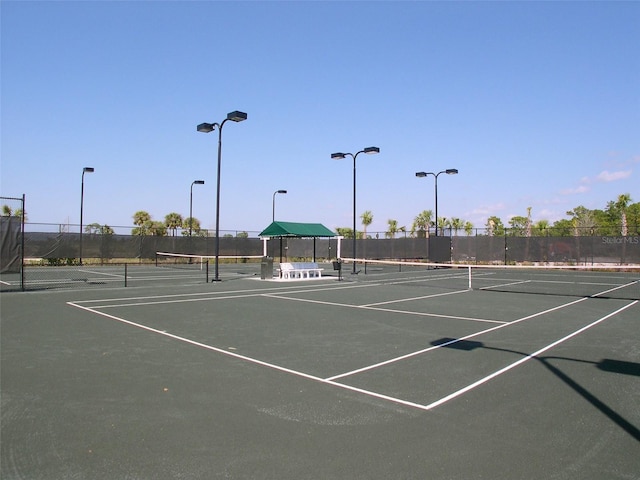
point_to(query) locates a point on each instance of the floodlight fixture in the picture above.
(237, 116)
(206, 127)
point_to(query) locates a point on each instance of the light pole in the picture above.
(273, 218)
(448, 171)
(210, 127)
(84, 170)
(195, 182)
(340, 156)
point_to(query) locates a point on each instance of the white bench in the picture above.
(300, 270)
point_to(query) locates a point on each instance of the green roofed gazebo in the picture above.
(297, 230)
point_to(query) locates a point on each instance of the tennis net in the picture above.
(199, 262)
(621, 282)
(196, 265)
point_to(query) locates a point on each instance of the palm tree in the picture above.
(367, 219)
(158, 229)
(421, 223)
(621, 204)
(143, 220)
(441, 224)
(468, 228)
(173, 221)
(191, 223)
(456, 224)
(141, 217)
(393, 228)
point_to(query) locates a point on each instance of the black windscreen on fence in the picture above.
(481, 249)
(10, 240)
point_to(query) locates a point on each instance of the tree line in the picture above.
(188, 226)
(619, 217)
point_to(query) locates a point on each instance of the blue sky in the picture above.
(537, 104)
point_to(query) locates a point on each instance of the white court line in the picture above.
(502, 285)
(202, 298)
(415, 298)
(249, 359)
(183, 300)
(241, 293)
(421, 279)
(103, 273)
(614, 289)
(379, 309)
(522, 360)
(191, 342)
(331, 381)
(437, 315)
(467, 337)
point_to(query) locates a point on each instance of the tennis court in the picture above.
(397, 372)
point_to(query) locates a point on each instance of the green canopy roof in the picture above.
(292, 229)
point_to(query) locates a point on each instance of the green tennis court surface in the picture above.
(385, 374)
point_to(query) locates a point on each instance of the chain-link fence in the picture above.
(64, 248)
(34, 250)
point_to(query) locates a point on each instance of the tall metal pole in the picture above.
(195, 182)
(273, 216)
(235, 116)
(216, 278)
(84, 170)
(22, 219)
(354, 213)
(448, 171)
(340, 155)
(436, 190)
(190, 210)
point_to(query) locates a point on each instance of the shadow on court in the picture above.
(607, 365)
